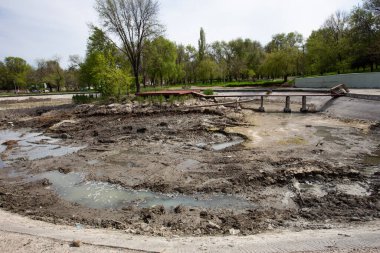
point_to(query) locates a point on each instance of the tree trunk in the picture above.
(136, 75)
(285, 78)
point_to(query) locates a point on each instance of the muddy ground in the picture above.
(290, 171)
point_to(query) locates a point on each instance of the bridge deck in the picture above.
(233, 94)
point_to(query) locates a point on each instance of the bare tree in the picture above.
(133, 22)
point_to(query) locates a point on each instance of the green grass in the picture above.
(12, 94)
(208, 92)
(215, 84)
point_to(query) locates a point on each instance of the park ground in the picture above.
(273, 173)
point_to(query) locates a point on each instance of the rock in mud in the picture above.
(75, 244)
(106, 141)
(213, 225)
(45, 182)
(203, 214)
(10, 144)
(180, 209)
(233, 231)
(163, 124)
(141, 130)
(64, 170)
(65, 136)
(158, 210)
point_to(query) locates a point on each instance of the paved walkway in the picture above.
(364, 239)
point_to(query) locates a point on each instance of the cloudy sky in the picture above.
(34, 29)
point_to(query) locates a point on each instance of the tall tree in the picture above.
(283, 54)
(365, 38)
(373, 6)
(133, 22)
(17, 70)
(202, 45)
(160, 60)
(3, 76)
(72, 73)
(104, 68)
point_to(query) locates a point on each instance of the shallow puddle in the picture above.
(221, 146)
(2, 164)
(73, 188)
(311, 188)
(372, 159)
(327, 134)
(33, 146)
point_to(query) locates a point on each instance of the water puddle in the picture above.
(309, 188)
(370, 171)
(321, 190)
(33, 146)
(221, 146)
(73, 188)
(353, 190)
(188, 164)
(372, 159)
(327, 134)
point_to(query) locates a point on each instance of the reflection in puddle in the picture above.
(33, 146)
(73, 188)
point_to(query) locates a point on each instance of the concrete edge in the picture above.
(363, 236)
(363, 96)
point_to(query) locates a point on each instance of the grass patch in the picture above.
(84, 99)
(208, 92)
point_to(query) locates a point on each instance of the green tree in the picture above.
(219, 54)
(207, 70)
(3, 76)
(72, 73)
(111, 81)
(282, 63)
(160, 60)
(202, 45)
(373, 6)
(365, 38)
(104, 67)
(51, 73)
(133, 22)
(17, 70)
(283, 56)
(321, 57)
(244, 58)
(181, 61)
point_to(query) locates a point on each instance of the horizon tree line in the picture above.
(141, 55)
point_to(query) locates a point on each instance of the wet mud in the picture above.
(148, 170)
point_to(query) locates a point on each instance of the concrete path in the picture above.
(364, 239)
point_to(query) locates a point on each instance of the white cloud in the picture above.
(255, 19)
(34, 29)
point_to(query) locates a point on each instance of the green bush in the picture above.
(83, 99)
(256, 84)
(208, 92)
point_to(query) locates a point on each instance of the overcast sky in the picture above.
(34, 29)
